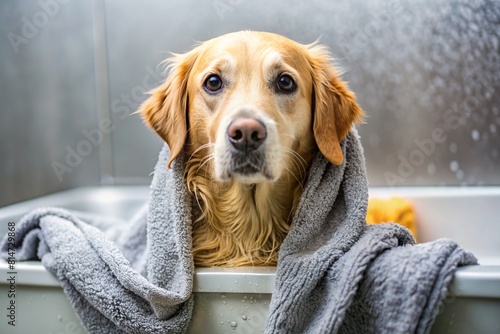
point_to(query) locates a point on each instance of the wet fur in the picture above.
(237, 223)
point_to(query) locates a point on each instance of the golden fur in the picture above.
(242, 220)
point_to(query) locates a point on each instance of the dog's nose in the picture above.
(246, 134)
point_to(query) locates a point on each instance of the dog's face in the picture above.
(251, 99)
(254, 103)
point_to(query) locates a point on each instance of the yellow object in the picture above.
(395, 209)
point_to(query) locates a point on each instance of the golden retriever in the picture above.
(249, 110)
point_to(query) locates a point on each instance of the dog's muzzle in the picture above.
(246, 135)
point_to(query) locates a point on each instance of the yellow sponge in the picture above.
(395, 209)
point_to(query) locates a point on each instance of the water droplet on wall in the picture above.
(454, 166)
(475, 135)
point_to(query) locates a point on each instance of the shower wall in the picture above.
(427, 74)
(47, 98)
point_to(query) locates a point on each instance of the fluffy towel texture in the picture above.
(134, 276)
(335, 273)
(338, 275)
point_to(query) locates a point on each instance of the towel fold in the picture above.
(338, 275)
(122, 277)
(335, 273)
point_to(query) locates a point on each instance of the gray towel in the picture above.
(133, 277)
(335, 274)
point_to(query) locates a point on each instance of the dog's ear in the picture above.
(334, 105)
(165, 111)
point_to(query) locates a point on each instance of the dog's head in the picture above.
(254, 102)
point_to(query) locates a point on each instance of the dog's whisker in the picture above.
(298, 161)
(205, 160)
(295, 177)
(297, 167)
(208, 145)
(297, 155)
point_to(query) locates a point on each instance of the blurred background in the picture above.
(427, 74)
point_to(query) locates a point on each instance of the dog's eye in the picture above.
(213, 83)
(286, 84)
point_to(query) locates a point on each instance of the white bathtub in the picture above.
(237, 300)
